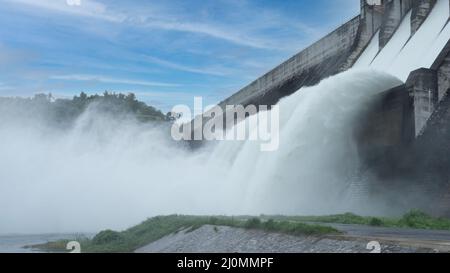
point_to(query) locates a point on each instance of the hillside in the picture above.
(63, 112)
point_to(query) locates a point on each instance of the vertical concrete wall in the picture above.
(444, 78)
(432, 159)
(386, 125)
(370, 22)
(371, 15)
(442, 66)
(420, 11)
(395, 10)
(406, 6)
(422, 84)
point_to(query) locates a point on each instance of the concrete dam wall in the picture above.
(306, 68)
(389, 36)
(358, 43)
(330, 55)
(334, 53)
(402, 137)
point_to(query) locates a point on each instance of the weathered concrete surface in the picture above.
(222, 239)
(442, 66)
(371, 18)
(335, 44)
(395, 10)
(423, 85)
(408, 175)
(386, 127)
(420, 11)
(432, 160)
(384, 136)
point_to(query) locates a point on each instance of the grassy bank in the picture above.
(158, 227)
(414, 219)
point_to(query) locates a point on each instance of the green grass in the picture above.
(56, 246)
(413, 219)
(158, 227)
(59, 245)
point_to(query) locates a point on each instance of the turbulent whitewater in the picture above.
(108, 173)
(104, 172)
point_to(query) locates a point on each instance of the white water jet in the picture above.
(106, 173)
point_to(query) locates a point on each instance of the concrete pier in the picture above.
(422, 84)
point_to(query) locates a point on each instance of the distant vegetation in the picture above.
(65, 111)
(413, 219)
(158, 227)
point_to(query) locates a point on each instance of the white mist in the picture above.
(106, 173)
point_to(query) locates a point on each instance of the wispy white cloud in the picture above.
(89, 8)
(212, 31)
(97, 10)
(215, 71)
(104, 79)
(114, 37)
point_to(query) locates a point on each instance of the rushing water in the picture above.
(108, 173)
(105, 173)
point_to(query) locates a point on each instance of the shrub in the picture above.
(270, 225)
(213, 220)
(376, 222)
(253, 223)
(106, 237)
(416, 219)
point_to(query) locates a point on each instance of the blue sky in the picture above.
(165, 52)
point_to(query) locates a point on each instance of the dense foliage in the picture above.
(65, 111)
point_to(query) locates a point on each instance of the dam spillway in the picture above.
(394, 36)
(409, 40)
(351, 139)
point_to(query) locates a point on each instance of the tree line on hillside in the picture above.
(67, 110)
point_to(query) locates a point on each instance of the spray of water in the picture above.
(109, 173)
